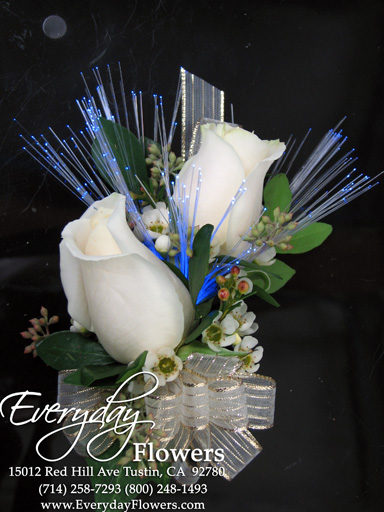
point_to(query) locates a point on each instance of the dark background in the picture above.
(286, 66)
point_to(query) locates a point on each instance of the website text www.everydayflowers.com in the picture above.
(136, 504)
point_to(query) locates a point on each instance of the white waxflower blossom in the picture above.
(221, 333)
(245, 319)
(166, 365)
(251, 360)
(156, 220)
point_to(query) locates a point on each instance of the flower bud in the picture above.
(189, 252)
(255, 232)
(243, 287)
(235, 270)
(288, 217)
(44, 312)
(53, 320)
(260, 227)
(26, 335)
(276, 213)
(154, 150)
(266, 219)
(220, 280)
(223, 294)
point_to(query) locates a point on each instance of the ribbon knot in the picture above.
(212, 405)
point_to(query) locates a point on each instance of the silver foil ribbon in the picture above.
(199, 100)
(84, 399)
(213, 405)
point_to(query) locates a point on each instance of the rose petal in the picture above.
(222, 174)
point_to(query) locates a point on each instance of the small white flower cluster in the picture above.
(235, 329)
(156, 220)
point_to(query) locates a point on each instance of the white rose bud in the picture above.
(227, 156)
(118, 288)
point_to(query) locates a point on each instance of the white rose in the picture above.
(227, 156)
(118, 288)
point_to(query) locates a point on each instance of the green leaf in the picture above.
(308, 238)
(277, 193)
(263, 295)
(87, 375)
(279, 274)
(202, 348)
(178, 273)
(66, 350)
(204, 308)
(206, 322)
(198, 264)
(260, 278)
(133, 368)
(127, 151)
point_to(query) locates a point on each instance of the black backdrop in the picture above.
(286, 66)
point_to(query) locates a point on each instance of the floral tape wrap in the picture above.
(212, 405)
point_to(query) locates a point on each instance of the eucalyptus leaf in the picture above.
(126, 150)
(206, 322)
(277, 194)
(308, 238)
(66, 350)
(198, 264)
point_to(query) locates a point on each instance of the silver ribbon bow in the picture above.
(213, 405)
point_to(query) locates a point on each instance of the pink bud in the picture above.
(53, 320)
(44, 312)
(26, 335)
(243, 287)
(220, 280)
(223, 294)
(235, 270)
